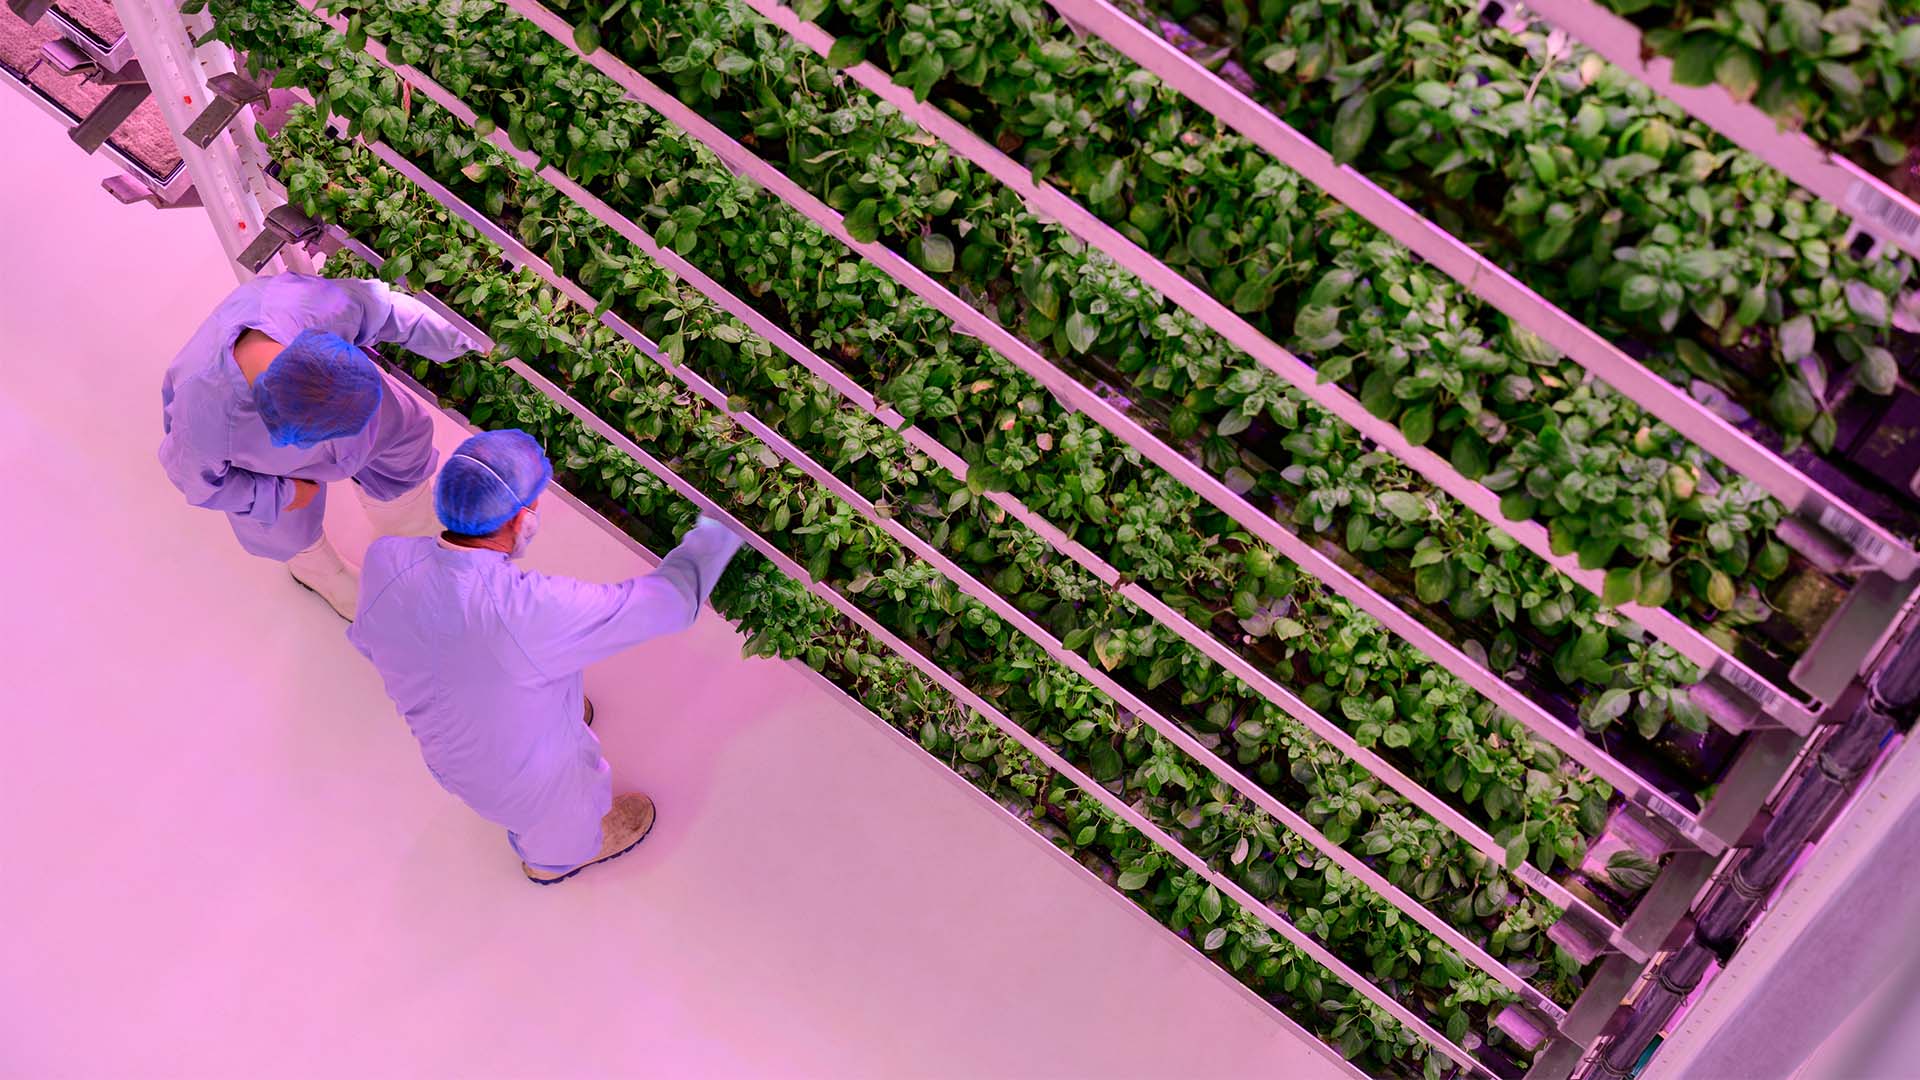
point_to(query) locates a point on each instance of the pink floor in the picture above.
(222, 856)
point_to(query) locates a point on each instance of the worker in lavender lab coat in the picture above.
(272, 398)
(484, 659)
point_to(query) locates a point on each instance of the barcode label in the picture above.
(1747, 683)
(1670, 813)
(1854, 533)
(1866, 200)
(1532, 878)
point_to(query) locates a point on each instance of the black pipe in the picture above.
(1896, 686)
(1672, 983)
(1891, 702)
(1847, 752)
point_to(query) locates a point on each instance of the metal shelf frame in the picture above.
(518, 254)
(1398, 221)
(226, 172)
(1884, 214)
(985, 801)
(1758, 770)
(1681, 823)
(1278, 923)
(1802, 495)
(1594, 922)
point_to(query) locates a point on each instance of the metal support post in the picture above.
(174, 67)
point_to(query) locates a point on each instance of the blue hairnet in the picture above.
(490, 478)
(319, 387)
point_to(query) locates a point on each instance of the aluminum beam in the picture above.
(175, 70)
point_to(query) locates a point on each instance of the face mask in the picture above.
(529, 529)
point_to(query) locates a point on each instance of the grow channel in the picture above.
(1765, 78)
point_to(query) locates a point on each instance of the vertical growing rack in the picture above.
(1766, 717)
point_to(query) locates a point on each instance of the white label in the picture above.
(1893, 215)
(1670, 813)
(1854, 533)
(1532, 878)
(1747, 683)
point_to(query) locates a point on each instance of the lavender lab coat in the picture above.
(484, 661)
(216, 449)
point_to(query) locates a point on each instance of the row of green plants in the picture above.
(1597, 192)
(1847, 74)
(1444, 736)
(527, 319)
(1414, 346)
(1609, 493)
(865, 322)
(780, 619)
(1069, 602)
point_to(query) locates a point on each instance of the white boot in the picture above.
(321, 569)
(409, 515)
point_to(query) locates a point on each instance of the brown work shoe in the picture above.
(628, 823)
(587, 713)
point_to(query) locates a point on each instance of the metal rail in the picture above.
(986, 801)
(1680, 821)
(1877, 209)
(1473, 834)
(516, 252)
(1114, 804)
(1799, 492)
